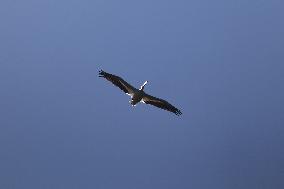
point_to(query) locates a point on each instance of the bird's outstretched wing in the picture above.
(160, 103)
(118, 81)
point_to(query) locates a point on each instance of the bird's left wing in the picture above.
(118, 81)
(160, 103)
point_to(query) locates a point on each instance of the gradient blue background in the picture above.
(221, 62)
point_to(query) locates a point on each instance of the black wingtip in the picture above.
(101, 73)
(178, 112)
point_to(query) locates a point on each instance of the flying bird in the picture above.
(138, 95)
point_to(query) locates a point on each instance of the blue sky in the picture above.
(220, 62)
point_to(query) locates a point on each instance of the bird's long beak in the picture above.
(145, 83)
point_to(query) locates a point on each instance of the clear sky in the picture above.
(221, 62)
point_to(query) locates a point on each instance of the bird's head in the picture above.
(142, 86)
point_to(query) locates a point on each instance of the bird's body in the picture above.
(138, 95)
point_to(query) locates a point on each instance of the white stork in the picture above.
(138, 95)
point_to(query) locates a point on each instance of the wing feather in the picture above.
(118, 81)
(160, 103)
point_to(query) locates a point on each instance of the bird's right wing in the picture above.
(160, 103)
(118, 81)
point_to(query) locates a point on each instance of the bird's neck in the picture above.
(142, 86)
